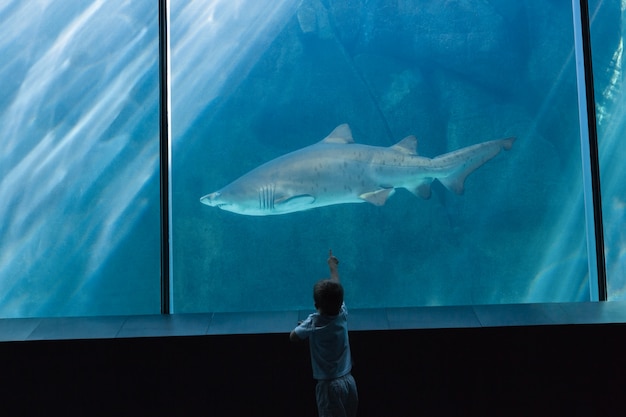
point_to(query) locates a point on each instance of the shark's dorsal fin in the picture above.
(341, 134)
(407, 145)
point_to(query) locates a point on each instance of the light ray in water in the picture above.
(563, 265)
(58, 148)
(219, 42)
(611, 131)
(560, 263)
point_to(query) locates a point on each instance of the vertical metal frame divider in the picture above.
(164, 154)
(589, 145)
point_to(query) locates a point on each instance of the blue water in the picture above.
(451, 74)
(607, 22)
(253, 80)
(79, 158)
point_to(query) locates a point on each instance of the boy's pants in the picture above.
(337, 397)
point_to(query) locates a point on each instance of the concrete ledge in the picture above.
(67, 328)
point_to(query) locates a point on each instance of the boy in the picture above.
(327, 331)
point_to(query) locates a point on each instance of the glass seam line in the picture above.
(593, 150)
(164, 157)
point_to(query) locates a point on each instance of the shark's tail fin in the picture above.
(460, 163)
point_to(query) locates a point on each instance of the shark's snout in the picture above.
(211, 199)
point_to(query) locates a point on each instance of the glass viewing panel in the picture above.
(79, 156)
(607, 41)
(255, 80)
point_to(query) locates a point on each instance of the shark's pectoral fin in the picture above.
(378, 197)
(302, 200)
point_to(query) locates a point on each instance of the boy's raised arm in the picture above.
(333, 265)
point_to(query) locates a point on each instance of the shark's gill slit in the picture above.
(266, 198)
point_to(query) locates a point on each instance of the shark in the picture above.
(337, 170)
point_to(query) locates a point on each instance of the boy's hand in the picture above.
(332, 261)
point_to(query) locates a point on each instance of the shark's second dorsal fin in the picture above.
(407, 145)
(341, 134)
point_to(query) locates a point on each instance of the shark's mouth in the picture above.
(209, 200)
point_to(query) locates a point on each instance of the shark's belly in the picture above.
(342, 181)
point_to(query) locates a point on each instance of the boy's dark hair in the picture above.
(328, 296)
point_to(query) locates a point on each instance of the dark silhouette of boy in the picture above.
(327, 331)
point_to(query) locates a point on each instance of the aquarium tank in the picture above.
(434, 146)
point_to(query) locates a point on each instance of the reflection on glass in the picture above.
(79, 158)
(607, 41)
(250, 85)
